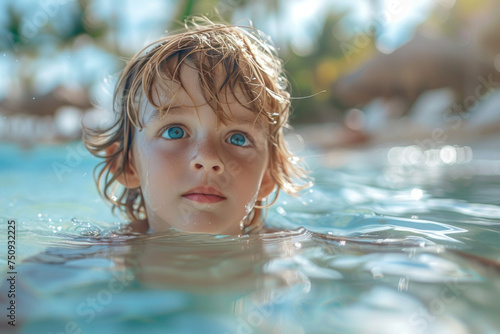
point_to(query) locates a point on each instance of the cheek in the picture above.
(156, 160)
(163, 172)
(157, 168)
(247, 174)
(246, 161)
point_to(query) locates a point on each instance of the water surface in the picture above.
(377, 246)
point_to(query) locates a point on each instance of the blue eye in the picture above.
(238, 139)
(174, 132)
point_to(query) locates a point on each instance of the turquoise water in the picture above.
(390, 241)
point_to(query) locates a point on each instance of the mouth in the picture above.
(204, 195)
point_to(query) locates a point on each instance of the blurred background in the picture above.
(360, 71)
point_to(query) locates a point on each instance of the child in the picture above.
(198, 140)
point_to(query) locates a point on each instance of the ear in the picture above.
(129, 177)
(266, 185)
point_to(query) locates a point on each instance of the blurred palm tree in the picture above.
(20, 44)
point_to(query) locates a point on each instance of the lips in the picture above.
(204, 195)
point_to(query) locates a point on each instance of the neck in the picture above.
(253, 224)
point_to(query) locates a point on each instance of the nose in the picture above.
(207, 159)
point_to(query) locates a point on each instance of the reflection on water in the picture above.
(362, 253)
(296, 279)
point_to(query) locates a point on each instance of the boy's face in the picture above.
(197, 174)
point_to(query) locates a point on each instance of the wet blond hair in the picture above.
(248, 62)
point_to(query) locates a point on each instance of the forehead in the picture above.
(229, 102)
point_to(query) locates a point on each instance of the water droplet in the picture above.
(377, 273)
(403, 283)
(416, 194)
(89, 230)
(281, 211)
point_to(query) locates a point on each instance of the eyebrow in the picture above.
(155, 114)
